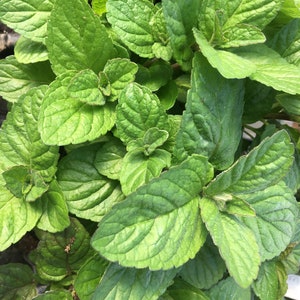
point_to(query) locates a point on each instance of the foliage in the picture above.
(134, 115)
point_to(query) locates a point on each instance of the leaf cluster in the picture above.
(129, 152)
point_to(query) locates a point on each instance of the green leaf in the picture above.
(242, 35)
(139, 110)
(99, 6)
(23, 182)
(234, 205)
(153, 139)
(64, 119)
(16, 79)
(109, 159)
(89, 195)
(131, 22)
(157, 227)
(228, 289)
(286, 41)
(258, 13)
(154, 77)
(181, 17)
(206, 269)
(77, 39)
(291, 103)
(181, 290)
(227, 63)
(138, 168)
(211, 124)
(55, 211)
(12, 229)
(271, 69)
(276, 214)
(84, 86)
(120, 72)
(266, 285)
(28, 51)
(60, 254)
(20, 140)
(16, 282)
(231, 236)
(143, 283)
(167, 94)
(262, 167)
(54, 295)
(89, 275)
(28, 18)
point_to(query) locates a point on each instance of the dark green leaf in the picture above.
(60, 254)
(143, 283)
(229, 289)
(88, 277)
(16, 282)
(206, 269)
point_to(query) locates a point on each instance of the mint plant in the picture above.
(129, 151)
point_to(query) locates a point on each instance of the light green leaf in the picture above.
(55, 211)
(181, 17)
(89, 195)
(28, 18)
(64, 120)
(211, 124)
(109, 158)
(231, 236)
(262, 167)
(266, 284)
(138, 168)
(258, 13)
(271, 69)
(137, 111)
(143, 283)
(228, 289)
(242, 35)
(227, 63)
(157, 227)
(287, 41)
(12, 229)
(206, 269)
(89, 275)
(120, 72)
(181, 290)
(77, 39)
(99, 6)
(20, 141)
(16, 282)
(60, 254)
(28, 51)
(276, 214)
(84, 86)
(291, 8)
(54, 295)
(131, 22)
(16, 79)
(153, 139)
